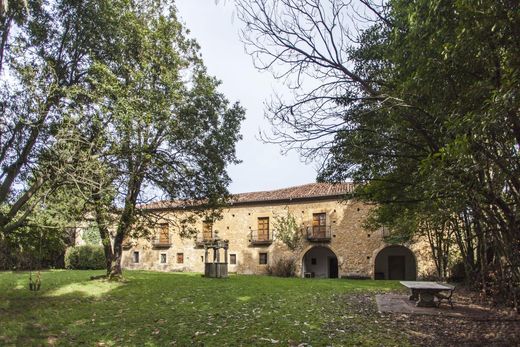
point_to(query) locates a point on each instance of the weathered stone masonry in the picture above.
(358, 252)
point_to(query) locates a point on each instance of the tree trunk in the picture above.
(124, 225)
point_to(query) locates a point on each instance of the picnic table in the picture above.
(424, 292)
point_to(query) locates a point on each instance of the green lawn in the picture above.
(158, 309)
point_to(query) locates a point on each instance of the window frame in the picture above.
(261, 260)
(180, 256)
(164, 232)
(135, 257)
(232, 259)
(207, 227)
(161, 258)
(263, 226)
(319, 224)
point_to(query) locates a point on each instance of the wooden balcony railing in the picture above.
(320, 233)
(260, 239)
(162, 242)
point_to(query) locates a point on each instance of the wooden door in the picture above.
(396, 267)
(319, 221)
(333, 267)
(207, 231)
(164, 234)
(263, 229)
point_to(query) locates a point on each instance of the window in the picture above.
(232, 259)
(263, 228)
(135, 257)
(180, 258)
(263, 258)
(319, 222)
(207, 230)
(313, 261)
(164, 234)
(163, 258)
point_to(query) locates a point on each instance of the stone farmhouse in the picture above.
(335, 244)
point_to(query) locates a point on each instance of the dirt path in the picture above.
(491, 328)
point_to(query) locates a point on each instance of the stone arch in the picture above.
(319, 261)
(395, 262)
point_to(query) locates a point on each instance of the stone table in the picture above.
(424, 292)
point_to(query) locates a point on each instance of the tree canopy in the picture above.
(418, 101)
(111, 103)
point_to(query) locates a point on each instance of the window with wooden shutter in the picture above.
(207, 231)
(164, 233)
(319, 225)
(263, 228)
(180, 258)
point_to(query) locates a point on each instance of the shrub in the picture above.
(85, 257)
(282, 267)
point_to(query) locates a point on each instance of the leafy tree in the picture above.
(288, 231)
(158, 124)
(46, 47)
(416, 100)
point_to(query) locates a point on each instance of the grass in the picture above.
(158, 309)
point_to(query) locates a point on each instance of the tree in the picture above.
(48, 57)
(155, 122)
(288, 232)
(418, 101)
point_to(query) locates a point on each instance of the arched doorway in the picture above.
(395, 263)
(320, 262)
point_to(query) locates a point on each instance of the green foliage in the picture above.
(87, 257)
(420, 105)
(91, 235)
(282, 267)
(288, 231)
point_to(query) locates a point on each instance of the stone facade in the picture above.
(354, 248)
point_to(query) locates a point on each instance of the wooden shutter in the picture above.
(263, 228)
(319, 222)
(180, 258)
(164, 234)
(207, 231)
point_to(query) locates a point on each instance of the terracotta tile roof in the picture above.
(306, 191)
(303, 192)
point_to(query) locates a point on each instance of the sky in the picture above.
(216, 29)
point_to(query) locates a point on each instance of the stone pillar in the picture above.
(225, 255)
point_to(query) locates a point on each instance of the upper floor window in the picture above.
(319, 224)
(164, 233)
(207, 230)
(263, 229)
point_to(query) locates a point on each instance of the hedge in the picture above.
(87, 257)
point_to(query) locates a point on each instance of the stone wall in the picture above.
(354, 247)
